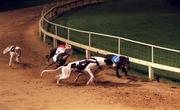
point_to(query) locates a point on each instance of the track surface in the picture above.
(21, 88)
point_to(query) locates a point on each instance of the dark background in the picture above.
(15, 4)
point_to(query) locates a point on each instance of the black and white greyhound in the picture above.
(13, 50)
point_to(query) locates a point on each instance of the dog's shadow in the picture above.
(25, 65)
(108, 84)
(105, 84)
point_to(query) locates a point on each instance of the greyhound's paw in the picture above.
(58, 84)
(119, 76)
(90, 84)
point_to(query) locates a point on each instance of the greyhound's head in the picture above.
(6, 50)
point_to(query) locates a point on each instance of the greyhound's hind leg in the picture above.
(79, 74)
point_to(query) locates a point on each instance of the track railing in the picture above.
(120, 44)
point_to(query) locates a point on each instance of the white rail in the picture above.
(149, 64)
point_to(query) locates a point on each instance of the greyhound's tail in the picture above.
(48, 71)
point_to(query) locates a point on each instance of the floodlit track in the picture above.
(21, 87)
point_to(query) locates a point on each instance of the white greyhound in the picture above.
(85, 65)
(13, 50)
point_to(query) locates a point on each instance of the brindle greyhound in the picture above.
(120, 62)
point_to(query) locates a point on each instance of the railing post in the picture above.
(54, 42)
(68, 33)
(152, 54)
(88, 54)
(40, 33)
(56, 32)
(150, 69)
(119, 46)
(151, 73)
(90, 39)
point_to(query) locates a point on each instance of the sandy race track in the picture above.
(21, 87)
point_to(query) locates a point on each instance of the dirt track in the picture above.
(21, 88)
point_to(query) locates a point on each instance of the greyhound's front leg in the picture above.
(11, 56)
(117, 72)
(124, 69)
(91, 76)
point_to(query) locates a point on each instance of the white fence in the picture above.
(152, 53)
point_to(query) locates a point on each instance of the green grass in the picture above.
(150, 21)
